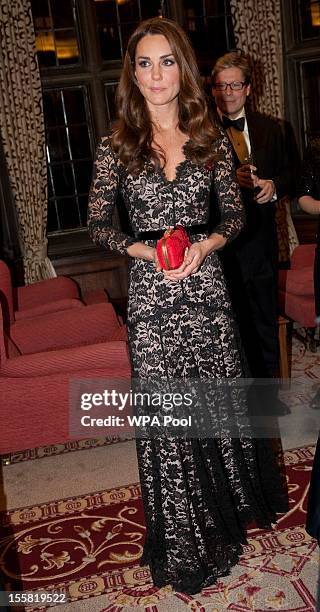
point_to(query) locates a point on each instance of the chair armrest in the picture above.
(75, 327)
(43, 309)
(95, 297)
(45, 291)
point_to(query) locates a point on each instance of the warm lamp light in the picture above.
(315, 13)
(118, 1)
(64, 48)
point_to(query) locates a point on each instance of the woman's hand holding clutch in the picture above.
(194, 256)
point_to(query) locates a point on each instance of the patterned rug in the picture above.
(59, 449)
(304, 363)
(90, 546)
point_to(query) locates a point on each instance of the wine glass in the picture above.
(248, 160)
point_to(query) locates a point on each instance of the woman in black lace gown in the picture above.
(163, 156)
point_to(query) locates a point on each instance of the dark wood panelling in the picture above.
(96, 271)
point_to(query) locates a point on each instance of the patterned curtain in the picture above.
(257, 30)
(23, 136)
(9, 234)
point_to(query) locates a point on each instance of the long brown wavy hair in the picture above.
(132, 134)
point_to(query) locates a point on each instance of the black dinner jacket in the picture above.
(273, 148)
(273, 151)
(275, 155)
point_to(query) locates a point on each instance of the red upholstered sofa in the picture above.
(73, 327)
(296, 289)
(34, 389)
(52, 295)
(46, 320)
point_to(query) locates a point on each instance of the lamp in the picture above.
(315, 13)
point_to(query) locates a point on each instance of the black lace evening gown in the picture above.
(198, 494)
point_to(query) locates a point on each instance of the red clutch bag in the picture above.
(171, 248)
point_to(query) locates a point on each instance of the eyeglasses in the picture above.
(235, 86)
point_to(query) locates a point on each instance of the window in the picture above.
(117, 19)
(70, 146)
(301, 22)
(80, 46)
(109, 91)
(56, 33)
(209, 27)
(301, 28)
(310, 79)
(309, 19)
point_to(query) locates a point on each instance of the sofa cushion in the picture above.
(11, 349)
(113, 355)
(48, 308)
(45, 291)
(95, 296)
(73, 327)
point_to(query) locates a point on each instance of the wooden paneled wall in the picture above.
(96, 271)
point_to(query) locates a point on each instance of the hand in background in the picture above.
(267, 191)
(309, 204)
(246, 176)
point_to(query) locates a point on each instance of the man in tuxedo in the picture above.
(264, 174)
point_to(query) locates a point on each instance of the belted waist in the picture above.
(157, 234)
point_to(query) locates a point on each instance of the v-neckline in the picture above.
(178, 171)
(178, 168)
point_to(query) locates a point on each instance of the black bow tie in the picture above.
(238, 124)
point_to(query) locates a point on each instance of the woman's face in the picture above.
(156, 71)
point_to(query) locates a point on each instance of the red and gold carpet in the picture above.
(90, 546)
(59, 449)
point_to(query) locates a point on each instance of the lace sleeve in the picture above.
(102, 197)
(227, 190)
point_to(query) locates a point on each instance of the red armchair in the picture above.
(54, 323)
(46, 296)
(34, 390)
(52, 295)
(73, 327)
(296, 290)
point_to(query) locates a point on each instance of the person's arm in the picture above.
(142, 251)
(287, 160)
(267, 191)
(102, 197)
(285, 157)
(309, 204)
(231, 214)
(306, 186)
(228, 194)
